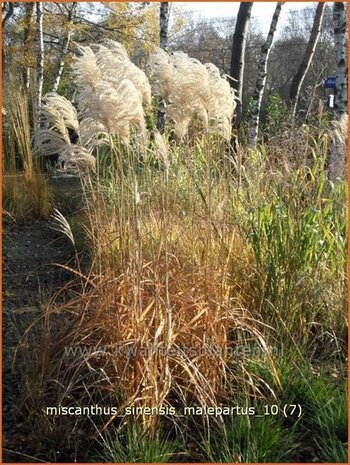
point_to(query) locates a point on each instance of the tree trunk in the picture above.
(5, 18)
(39, 59)
(60, 64)
(27, 42)
(341, 96)
(164, 24)
(339, 128)
(8, 13)
(261, 80)
(64, 50)
(163, 42)
(307, 58)
(338, 148)
(238, 52)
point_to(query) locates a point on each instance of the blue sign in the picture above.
(330, 82)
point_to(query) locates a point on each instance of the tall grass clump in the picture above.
(157, 296)
(17, 122)
(295, 223)
(26, 191)
(189, 260)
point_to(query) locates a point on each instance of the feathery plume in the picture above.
(113, 111)
(192, 91)
(58, 116)
(58, 112)
(77, 158)
(111, 103)
(116, 65)
(161, 148)
(221, 103)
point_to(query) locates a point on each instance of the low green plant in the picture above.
(275, 112)
(325, 416)
(322, 395)
(137, 446)
(245, 439)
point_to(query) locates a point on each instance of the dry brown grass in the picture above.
(27, 197)
(26, 190)
(160, 284)
(183, 260)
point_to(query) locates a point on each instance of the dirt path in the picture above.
(28, 281)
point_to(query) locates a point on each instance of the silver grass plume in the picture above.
(160, 70)
(112, 111)
(58, 116)
(113, 58)
(110, 98)
(162, 148)
(221, 102)
(85, 68)
(76, 157)
(58, 112)
(183, 83)
(189, 95)
(192, 90)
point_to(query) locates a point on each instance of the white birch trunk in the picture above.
(307, 58)
(163, 42)
(60, 65)
(64, 50)
(39, 59)
(261, 80)
(339, 129)
(28, 42)
(164, 24)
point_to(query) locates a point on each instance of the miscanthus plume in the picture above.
(110, 93)
(192, 91)
(59, 119)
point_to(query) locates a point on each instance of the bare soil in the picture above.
(30, 278)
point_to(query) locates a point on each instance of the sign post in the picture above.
(330, 82)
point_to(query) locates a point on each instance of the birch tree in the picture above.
(64, 46)
(7, 12)
(238, 52)
(307, 58)
(39, 58)
(163, 25)
(339, 129)
(261, 80)
(27, 42)
(163, 42)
